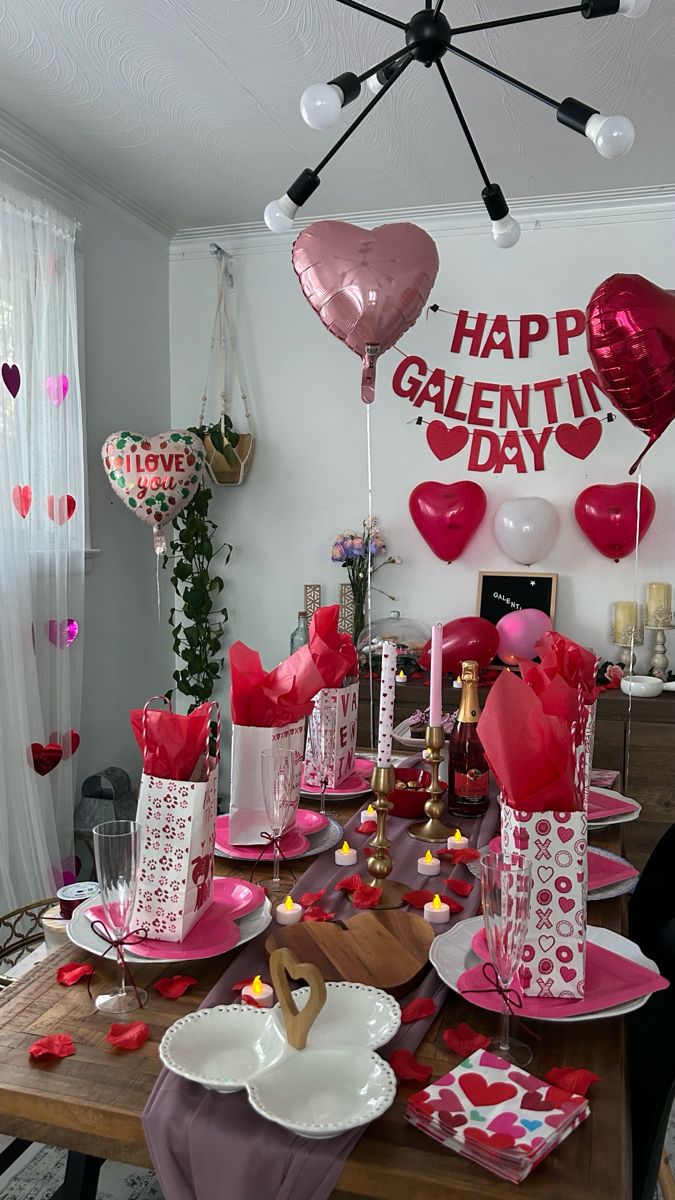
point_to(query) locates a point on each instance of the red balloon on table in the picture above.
(607, 514)
(464, 638)
(368, 286)
(447, 515)
(630, 333)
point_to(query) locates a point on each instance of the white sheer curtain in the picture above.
(42, 539)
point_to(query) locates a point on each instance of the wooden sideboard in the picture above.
(643, 752)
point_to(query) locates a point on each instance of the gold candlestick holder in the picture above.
(380, 864)
(435, 828)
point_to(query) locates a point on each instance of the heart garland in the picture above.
(56, 387)
(62, 633)
(11, 377)
(45, 758)
(22, 498)
(61, 508)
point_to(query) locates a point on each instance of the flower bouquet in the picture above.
(357, 552)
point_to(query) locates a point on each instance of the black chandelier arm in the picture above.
(537, 16)
(462, 120)
(516, 83)
(386, 62)
(373, 12)
(362, 115)
(439, 5)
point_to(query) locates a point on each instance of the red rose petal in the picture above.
(417, 1009)
(452, 904)
(252, 1002)
(417, 898)
(462, 1039)
(459, 887)
(572, 1079)
(407, 1068)
(465, 854)
(349, 884)
(57, 1045)
(308, 899)
(127, 1037)
(316, 914)
(366, 896)
(241, 984)
(174, 986)
(70, 972)
(366, 827)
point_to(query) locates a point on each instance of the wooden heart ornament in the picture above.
(447, 515)
(156, 476)
(298, 1022)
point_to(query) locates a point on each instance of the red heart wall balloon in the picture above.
(447, 515)
(367, 285)
(630, 333)
(607, 514)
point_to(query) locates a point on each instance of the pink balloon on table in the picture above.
(519, 633)
(368, 286)
(464, 638)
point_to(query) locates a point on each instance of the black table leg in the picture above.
(81, 1178)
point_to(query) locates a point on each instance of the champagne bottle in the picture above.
(469, 769)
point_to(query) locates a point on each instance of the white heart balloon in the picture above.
(526, 528)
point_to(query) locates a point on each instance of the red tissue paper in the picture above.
(127, 1037)
(57, 1045)
(70, 972)
(173, 742)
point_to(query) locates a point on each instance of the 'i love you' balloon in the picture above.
(156, 476)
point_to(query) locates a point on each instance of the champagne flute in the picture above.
(116, 851)
(319, 741)
(506, 883)
(280, 770)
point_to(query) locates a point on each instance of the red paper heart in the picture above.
(464, 1040)
(61, 508)
(45, 758)
(308, 899)
(417, 898)
(446, 442)
(315, 913)
(536, 1103)
(579, 440)
(128, 1037)
(70, 972)
(57, 1045)
(572, 1079)
(407, 1068)
(447, 515)
(348, 884)
(607, 514)
(451, 1120)
(417, 1010)
(496, 1141)
(174, 986)
(366, 896)
(481, 1093)
(22, 498)
(459, 886)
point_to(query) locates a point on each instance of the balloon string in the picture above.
(636, 563)
(159, 602)
(369, 458)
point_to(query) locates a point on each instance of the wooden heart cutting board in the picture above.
(388, 949)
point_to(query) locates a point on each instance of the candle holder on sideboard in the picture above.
(435, 828)
(379, 863)
(627, 637)
(659, 619)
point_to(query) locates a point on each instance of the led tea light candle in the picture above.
(345, 856)
(457, 841)
(368, 814)
(401, 677)
(261, 992)
(436, 912)
(289, 913)
(428, 865)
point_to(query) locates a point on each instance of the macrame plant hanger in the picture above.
(224, 340)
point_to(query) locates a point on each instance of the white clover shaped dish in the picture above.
(318, 1092)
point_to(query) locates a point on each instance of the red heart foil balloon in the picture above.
(367, 285)
(630, 333)
(447, 515)
(608, 514)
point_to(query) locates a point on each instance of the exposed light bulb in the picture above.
(279, 214)
(321, 105)
(374, 84)
(505, 231)
(633, 8)
(611, 136)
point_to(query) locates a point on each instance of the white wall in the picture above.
(308, 479)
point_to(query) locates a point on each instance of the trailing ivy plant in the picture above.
(223, 441)
(198, 623)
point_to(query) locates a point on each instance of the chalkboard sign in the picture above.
(511, 590)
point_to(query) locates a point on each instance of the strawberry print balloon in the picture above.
(154, 476)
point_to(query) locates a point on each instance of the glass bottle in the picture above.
(300, 635)
(469, 769)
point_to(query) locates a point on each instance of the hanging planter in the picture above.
(228, 455)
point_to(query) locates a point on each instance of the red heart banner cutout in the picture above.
(22, 498)
(45, 758)
(447, 515)
(444, 442)
(579, 440)
(61, 508)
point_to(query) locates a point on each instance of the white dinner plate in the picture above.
(621, 818)
(80, 932)
(451, 954)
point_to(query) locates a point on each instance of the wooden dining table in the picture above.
(91, 1103)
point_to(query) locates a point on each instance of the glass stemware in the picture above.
(116, 851)
(506, 881)
(280, 771)
(319, 738)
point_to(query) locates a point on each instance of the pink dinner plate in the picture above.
(215, 933)
(294, 842)
(356, 784)
(308, 821)
(602, 871)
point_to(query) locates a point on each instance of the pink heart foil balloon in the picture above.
(62, 633)
(368, 286)
(630, 333)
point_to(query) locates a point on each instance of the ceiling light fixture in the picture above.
(428, 38)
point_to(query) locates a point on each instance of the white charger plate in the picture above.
(323, 839)
(80, 932)
(620, 818)
(335, 1084)
(451, 954)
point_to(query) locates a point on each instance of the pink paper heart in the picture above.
(507, 1122)
(61, 508)
(22, 498)
(448, 1101)
(57, 388)
(555, 1120)
(62, 633)
(524, 1081)
(490, 1060)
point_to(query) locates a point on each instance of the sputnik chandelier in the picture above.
(429, 36)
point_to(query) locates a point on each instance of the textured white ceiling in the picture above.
(191, 106)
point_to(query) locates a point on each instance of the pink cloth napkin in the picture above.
(215, 933)
(603, 777)
(604, 871)
(600, 806)
(610, 980)
(293, 842)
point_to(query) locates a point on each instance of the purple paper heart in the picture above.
(11, 377)
(57, 388)
(62, 633)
